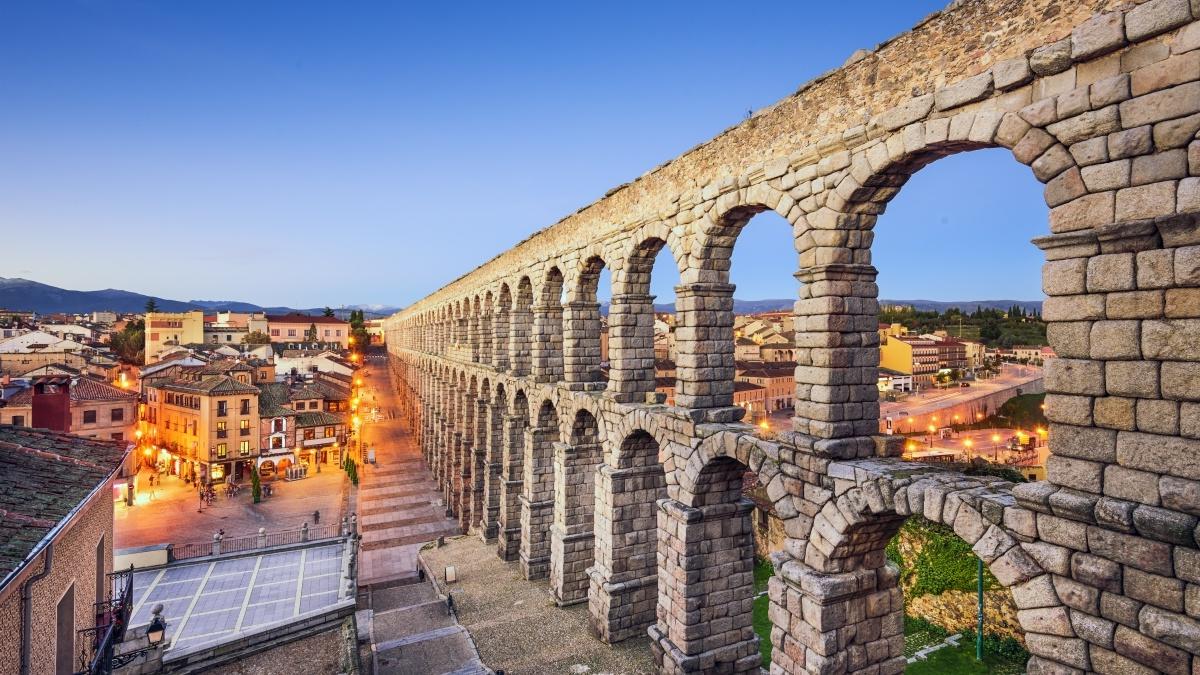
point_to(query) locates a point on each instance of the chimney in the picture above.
(52, 403)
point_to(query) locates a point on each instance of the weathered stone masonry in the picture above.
(636, 507)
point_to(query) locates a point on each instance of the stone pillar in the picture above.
(537, 503)
(485, 338)
(548, 343)
(581, 345)
(847, 622)
(704, 347)
(624, 576)
(473, 336)
(454, 475)
(837, 356)
(500, 336)
(492, 468)
(631, 347)
(705, 589)
(512, 482)
(520, 340)
(571, 538)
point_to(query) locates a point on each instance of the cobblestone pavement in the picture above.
(168, 513)
(412, 631)
(515, 623)
(397, 503)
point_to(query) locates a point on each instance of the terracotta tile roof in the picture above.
(317, 418)
(43, 476)
(305, 318)
(84, 389)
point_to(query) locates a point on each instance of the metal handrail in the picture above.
(112, 617)
(250, 542)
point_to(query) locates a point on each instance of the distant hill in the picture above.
(23, 294)
(782, 305)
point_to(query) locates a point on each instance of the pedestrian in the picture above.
(316, 517)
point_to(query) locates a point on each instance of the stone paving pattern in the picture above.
(1102, 101)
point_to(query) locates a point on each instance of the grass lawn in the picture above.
(762, 623)
(961, 661)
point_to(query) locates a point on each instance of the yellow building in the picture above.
(204, 421)
(165, 329)
(910, 356)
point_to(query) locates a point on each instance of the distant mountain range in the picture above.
(23, 294)
(783, 304)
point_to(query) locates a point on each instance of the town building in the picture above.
(56, 545)
(750, 396)
(296, 327)
(164, 329)
(204, 420)
(894, 380)
(231, 328)
(778, 380)
(910, 355)
(304, 359)
(95, 409)
(108, 318)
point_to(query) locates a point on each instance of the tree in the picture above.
(256, 337)
(151, 305)
(129, 344)
(328, 312)
(255, 484)
(311, 334)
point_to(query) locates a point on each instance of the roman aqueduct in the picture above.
(636, 507)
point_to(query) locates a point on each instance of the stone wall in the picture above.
(1102, 102)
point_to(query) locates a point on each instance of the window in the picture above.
(291, 332)
(339, 332)
(244, 448)
(245, 407)
(100, 576)
(222, 450)
(118, 414)
(274, 332)
(221, 430)
(327, 332)
(276, 443)
(276, 426)
(154, 337)
(310, 434)
(89, 416)
(222, 408)
(329, 432)
(64, 645)
(244, 428)
(313, 405)
(18, 420)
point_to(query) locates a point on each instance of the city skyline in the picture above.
(186, 127)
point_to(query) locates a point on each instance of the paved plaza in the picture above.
(170, 512)
(211, 602)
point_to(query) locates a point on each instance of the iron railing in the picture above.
(96, 644)
(250, 542)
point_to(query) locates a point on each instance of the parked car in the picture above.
(965, 384)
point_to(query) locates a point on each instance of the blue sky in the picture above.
(327, 153)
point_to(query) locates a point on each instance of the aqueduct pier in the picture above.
(636, 508)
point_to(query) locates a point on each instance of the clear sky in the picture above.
(310, 153)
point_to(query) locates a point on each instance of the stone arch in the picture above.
(582, 325)
(729, 216)
(851, 530)
(624, 576)
(537, 498)
(500, 328)
(571, 535)
(521, 329)
(512, 477)
(547, 347)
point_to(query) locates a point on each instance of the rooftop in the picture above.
(44, 475)
(304, 318)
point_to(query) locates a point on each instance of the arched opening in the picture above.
(624, 574)
(548, 329)
(571, 535)
(478, 455)
(762, 263)
(537, 500)
(486, 329)
(706, 572)
(522, 329)
(500, 328)
(641, 333)
(960, 291)
(584, 342)
(512, 478)
(493, 464)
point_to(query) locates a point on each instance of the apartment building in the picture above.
(296, 327)
(93, 409)
(164, 329)
(204, 420)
